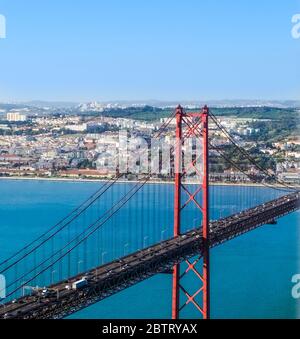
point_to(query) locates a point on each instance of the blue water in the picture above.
(251, 275)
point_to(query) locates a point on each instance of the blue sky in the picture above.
(66, 50)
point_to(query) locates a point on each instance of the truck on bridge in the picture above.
(79, 284)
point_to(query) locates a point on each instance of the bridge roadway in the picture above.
(160, 258)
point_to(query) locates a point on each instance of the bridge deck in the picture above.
(118, 275)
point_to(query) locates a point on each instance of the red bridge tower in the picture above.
(192, 125)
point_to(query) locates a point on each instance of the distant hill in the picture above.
(155, 112)
(257, 112)
(150, 113)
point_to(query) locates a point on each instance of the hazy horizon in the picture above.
(149, 101)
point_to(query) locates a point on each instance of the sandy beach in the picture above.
(93, 180)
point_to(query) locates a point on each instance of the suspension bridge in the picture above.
(162, 222)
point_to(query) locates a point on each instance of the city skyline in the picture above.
(108, 52)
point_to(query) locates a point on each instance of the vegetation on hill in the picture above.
(257, 112)
(275, 130)
(150, 113)
(147, 113)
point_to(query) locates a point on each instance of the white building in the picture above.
(77, 128)
(15, 117)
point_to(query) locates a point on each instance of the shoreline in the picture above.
(156, 182)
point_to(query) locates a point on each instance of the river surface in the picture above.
(251, 275)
